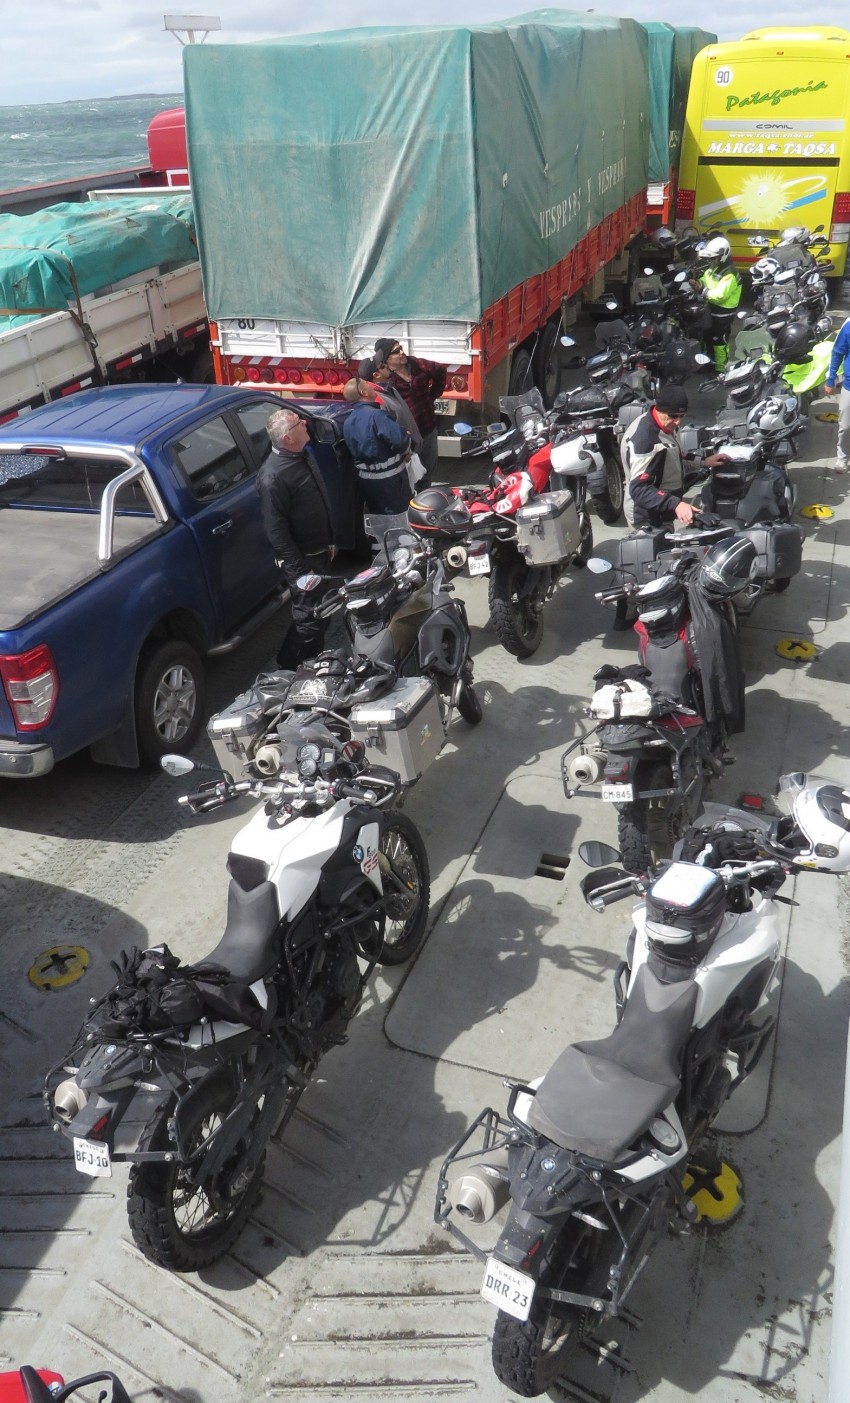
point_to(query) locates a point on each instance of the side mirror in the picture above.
(461, 428)
(595, 854)
(648, 272)
(597, 566)
(681, 276)
(701, 358)
(324, 430)
(567, 341)
(177, 765)
(307, 583)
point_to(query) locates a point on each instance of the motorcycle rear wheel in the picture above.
(407, 911)
(517, 613)
(646, 831)
(529, 1355)
(609, 504)
(179, 1224)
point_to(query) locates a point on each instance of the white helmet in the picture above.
(715, 250)
(764, 270)
(816, 835)
(773, 416)
(795, 234)
(577, 456)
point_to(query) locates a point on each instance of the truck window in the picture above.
(66, 483)
(211, 459)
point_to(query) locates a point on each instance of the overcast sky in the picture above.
(53, 50)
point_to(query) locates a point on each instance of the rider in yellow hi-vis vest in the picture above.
(722, 287)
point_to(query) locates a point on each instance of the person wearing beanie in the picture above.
(419, 382)
(652, 463)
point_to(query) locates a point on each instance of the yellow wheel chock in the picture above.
(796, 650)
(818, 511)
(717, 1195)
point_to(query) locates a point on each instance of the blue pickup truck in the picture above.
(131, 547)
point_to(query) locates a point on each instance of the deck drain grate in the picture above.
(553, 866)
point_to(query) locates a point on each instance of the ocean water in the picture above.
(62, 140)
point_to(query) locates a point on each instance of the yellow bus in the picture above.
(766, 142)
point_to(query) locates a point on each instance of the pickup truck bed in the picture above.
(62, 550)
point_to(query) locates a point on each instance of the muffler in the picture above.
(483, 1189)
(586, 768)
(456, 557)
(68, 1100)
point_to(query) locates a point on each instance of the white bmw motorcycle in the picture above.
(595, 1157)
(185, 1072)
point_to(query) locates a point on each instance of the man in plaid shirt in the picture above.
(419, 382)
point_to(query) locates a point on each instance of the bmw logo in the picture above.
(548, 1165)
(357, 853)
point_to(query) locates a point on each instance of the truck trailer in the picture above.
(458, 188)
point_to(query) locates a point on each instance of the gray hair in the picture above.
(279, 424)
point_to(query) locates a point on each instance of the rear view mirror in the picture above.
(324, 430)
(306, 583)
(460, 428)
(702, 359)
(177, 765)
(595, 854)
(567, 341)
(597, 566)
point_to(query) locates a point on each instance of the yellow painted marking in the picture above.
(829, 416)
(716, 1197)
(58, 967)
(818, 511)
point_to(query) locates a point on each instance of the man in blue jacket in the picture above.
(837, 359)
(380, 448)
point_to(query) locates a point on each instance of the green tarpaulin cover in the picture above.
(672, 50)
(48, 257)
(372, 174)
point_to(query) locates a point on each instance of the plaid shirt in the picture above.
(427, 382)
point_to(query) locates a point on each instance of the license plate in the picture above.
(479, 564)
(512, 1291)
(618, 793)
(92, 1158)
(445, 406)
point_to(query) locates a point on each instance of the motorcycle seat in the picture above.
(598, 1096)
(250, 946)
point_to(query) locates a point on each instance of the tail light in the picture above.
(685, 205)
(318, 377)
(283, 377)
(239, 374)
(458, 384)
(840, 228)
(32, 686)
(294, 376)
(254, 374)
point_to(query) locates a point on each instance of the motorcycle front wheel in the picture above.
(407, 884)
(516, 605)
(468, 701)
(177, 1222)
(609, 504)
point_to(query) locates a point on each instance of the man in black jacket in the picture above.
(297, 518)
(652, 463)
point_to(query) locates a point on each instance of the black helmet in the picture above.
(727, 566)
(438, 512)
(661, 604)
(791, 343)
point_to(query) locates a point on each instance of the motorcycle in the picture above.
(521, 534)
(28, 1385)
(611, 1148)
(662, 727)
(186, 1072)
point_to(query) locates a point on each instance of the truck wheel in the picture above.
(169, 700)
(521, 378)
(547, 363)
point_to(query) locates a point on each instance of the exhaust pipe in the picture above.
(267, 759)
(483, 1189)
(68, 1100)
(585, 769)
(456, 557)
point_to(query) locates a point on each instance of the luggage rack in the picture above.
(497, 1132)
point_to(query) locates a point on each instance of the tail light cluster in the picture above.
(325, 378)
(685, 205)
(839, 232)
(31, 683)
